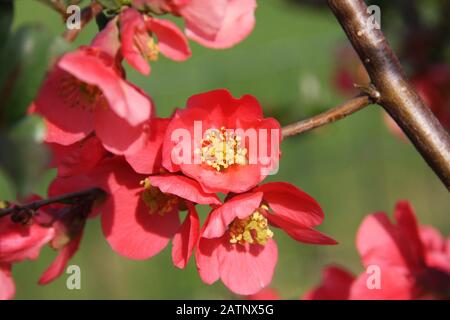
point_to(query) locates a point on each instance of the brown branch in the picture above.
(35, 205)
(398, 97)
(56, 5)
(87, 14)
(347, 108)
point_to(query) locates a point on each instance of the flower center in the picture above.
(221, 149)
(253, 229)
(157, 201)
(147, 46)
(80, 94)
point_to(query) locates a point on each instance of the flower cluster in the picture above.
(103, 133)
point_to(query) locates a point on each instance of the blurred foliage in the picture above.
(353, 167)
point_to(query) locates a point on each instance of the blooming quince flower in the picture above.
(85, 92)
(414, 261)
(236, 243)
(137, 39)
(17, 243)
(215, 24)
(224, 143)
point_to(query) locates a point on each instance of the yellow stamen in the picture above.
(221, 149)
(157, 201)
(250, 230)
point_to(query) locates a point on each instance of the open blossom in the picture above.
(141, 213)
(214, 24)
(224, 143)
(85, 93)
(141, 38)
(414, 261)
(237, 244)
(19, 242)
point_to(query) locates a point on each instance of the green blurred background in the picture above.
(353, 167)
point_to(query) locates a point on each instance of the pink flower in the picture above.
(218, 24)
(221, 142)
(215, 24)
(138, 33)
(237, 245)
(414, 261)
(85, 92)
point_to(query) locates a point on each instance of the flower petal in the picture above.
(131, 230)
(247, 269)
(7, 286)
(59, 264)
(171, 41)
(186, 239)
(240, 206)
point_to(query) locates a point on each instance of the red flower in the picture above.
(336, 285)
(78, 157)
(142, 214)
(215, 24)
(236, 242)
(408, 270)
(137, 39)
(85, 92)
(222, 142)
(414, 262)
(17, 243)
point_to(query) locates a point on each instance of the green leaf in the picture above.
(112, 5)
(27, 158)
(6, 19)
(24, 61)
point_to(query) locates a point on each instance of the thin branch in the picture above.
(87, 14)
(398, 97)
(56, 5)
(347, 108)
(35, 205)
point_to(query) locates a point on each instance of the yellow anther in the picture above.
(157, 201)
(250, 230)
(221, 149)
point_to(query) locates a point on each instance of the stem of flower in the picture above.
(87, 14)
(35, 205)
(397, 95)
(347, 108)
